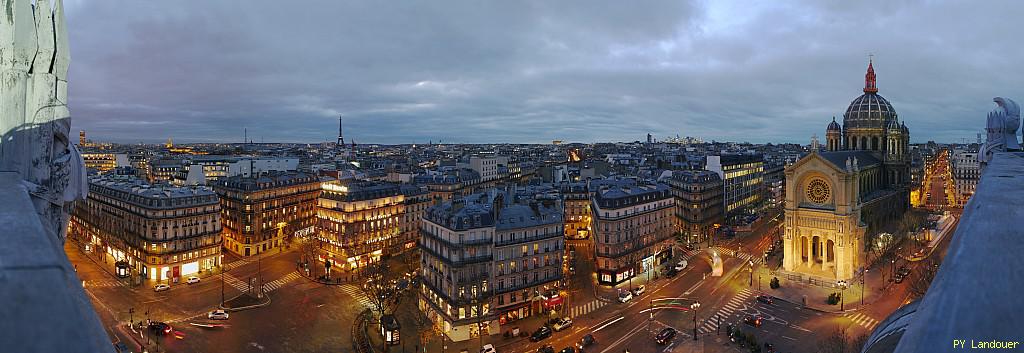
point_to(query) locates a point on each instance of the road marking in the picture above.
(624, 337)
(356, 293)
(789, 338)
(278, 283)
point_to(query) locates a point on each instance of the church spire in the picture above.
(869, 78)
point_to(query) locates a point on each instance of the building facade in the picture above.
(742, 182)
(359, 222)
(576, 203)
(837, 199)
(698, 204)
(632, 228)
(264, 213)
(490, 259)
(158, 233)
(966, 172)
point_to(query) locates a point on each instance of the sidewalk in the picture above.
(813, 295)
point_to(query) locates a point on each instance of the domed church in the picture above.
(836, 198)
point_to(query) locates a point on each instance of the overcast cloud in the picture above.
(531, 71)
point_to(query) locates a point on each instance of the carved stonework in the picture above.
(1001, 129)
(34, 118)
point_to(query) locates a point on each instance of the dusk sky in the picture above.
(532, 71)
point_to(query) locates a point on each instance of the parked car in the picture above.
(160, 328)
(546, 349)
(680, 265)
(767, 299)
(217, 315)
(488, 348)
(192, 280)
(120, 347)
(561, 324)
(586, 341)
(541, 333)
(161, 287)
(689, 247)
(665, 336)
(639, 290)
(671, 272)
(567, 350)
(625, 296)
(899, 278)
(753, 320)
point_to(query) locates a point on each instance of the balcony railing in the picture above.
(454, 259)
(517, 240)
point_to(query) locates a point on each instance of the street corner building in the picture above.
(489, 259)
(840, 196)
(149, 232)
(359, 222)
(632, 224)
(267, 210)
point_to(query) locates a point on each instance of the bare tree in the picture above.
(919, 286)
(836, 342)
(427, 329)
(382, 288)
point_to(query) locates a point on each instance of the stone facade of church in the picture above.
(836, 198)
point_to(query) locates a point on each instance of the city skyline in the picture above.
(529, 74)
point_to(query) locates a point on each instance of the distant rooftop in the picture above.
(134, 190)
(266, 180)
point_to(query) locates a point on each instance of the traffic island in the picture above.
(245, 301)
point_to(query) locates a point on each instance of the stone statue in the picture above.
(34, 119)
(1001, 129)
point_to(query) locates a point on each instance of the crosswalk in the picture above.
(734, 304)
(235, 282)
(587, 308)
(356, 294)
(234, 264)
(270, 287)
(862, 320)
(107, 282)
(724, 252)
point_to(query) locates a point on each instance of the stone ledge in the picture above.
(42, 295)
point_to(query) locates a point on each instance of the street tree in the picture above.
(840, 342)
(383, 287)
(919, 286)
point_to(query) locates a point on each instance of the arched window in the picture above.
(864, 143)
(874, 143)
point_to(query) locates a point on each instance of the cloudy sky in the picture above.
(531, 71)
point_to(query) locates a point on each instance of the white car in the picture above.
(161, 287)
(625, 296)
(192, 279)
(639, 290)
(681, 265)
(562, 324)
(217, 315)
(488, 348)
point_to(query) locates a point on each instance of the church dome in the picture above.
(870, 110)
(834, 126)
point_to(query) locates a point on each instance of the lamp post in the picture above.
(862, 278)
(842, 295)
(694, 307)
(751, 262)
(892, 269)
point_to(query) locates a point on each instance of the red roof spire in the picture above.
(869, 78)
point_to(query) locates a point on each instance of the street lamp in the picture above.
(862, 276)
(751, 262)
(842, 295)
(694, 307)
